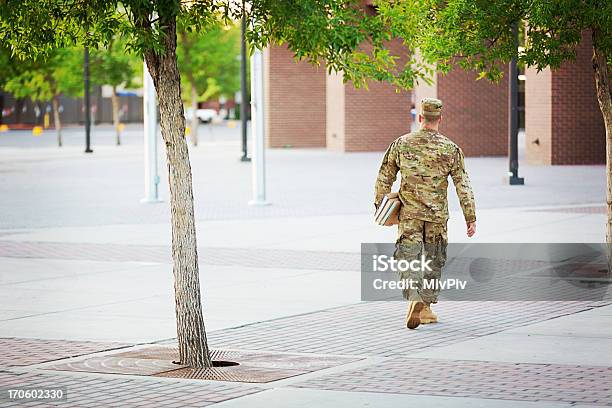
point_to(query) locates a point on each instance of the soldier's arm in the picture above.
(386, 174)
(463, 187)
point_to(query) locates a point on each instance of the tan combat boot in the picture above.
(413, 317)
(427, 316)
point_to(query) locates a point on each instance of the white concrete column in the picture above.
(150, 140)
(258, 141)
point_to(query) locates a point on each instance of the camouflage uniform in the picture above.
(425, 159)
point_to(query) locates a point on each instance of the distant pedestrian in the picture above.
(425, 158)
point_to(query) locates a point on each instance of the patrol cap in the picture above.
(431, 107)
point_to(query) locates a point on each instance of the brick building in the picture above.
(306, 107)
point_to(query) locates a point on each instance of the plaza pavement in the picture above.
(84, 266)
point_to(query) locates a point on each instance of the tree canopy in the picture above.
(476, 34)
(328, 30)
(112, 64)
(209, 60)
(60, 72)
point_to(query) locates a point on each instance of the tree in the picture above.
(7, 67)
(113, 65)
(47, 79)
(317, 30)
(209, 65)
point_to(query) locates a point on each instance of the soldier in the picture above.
(425, 158)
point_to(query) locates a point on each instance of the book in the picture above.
(387, 213)
(380, 208)
(390, 216)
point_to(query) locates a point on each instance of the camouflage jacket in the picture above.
(425, 159)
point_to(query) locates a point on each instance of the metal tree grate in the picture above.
(251, 367)
(116, 365)
(237, 373)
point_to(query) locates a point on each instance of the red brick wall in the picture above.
(561, 111)
(578, 131)
(475, 113)
(375, 117)
(295, 101)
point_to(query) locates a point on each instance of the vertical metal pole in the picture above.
(87, 103)
(257, 130)
(1, 106)
(150, 140)
(243, 87)
(513, 115)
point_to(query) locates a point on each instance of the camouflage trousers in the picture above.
(418, 238)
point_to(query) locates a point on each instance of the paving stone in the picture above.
(377, 328)
(135, 390)
(477, 379)
(259, 258)
(23, 352)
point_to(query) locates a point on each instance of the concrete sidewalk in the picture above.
(46, 187)
(113, 283)
(481, 353)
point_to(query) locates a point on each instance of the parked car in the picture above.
(205, 115)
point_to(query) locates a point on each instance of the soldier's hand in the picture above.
(471, 229)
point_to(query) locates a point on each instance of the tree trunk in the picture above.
(115, 103)
(1, 106)
(18, 110)
(56, 120)
(602, 84)
(193, 347)
(194, 119)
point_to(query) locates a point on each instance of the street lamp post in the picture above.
(87, 103)
(243, 88)
(514, 178)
